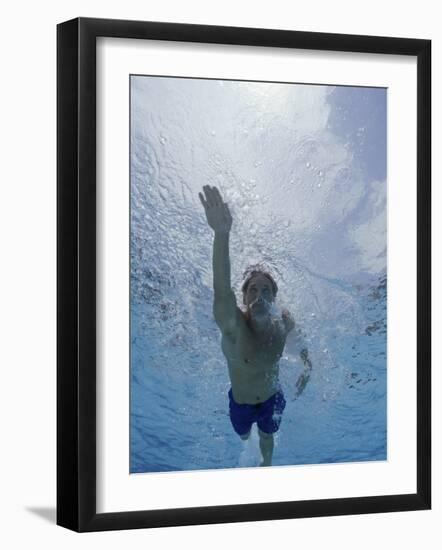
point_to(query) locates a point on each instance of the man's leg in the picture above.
(268, 423)
(241, 417)
(266, 446)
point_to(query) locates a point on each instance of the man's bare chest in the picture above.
(244, 347)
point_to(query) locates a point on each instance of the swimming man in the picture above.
(252, 340)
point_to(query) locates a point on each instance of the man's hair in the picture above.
(254, 270)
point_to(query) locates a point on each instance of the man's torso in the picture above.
(253, 361)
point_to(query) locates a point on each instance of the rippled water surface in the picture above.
(303, 169)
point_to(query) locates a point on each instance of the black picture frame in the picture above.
(77, 287)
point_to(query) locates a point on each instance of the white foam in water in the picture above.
(276, 311)
(250, 455)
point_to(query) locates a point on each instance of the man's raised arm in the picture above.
(220, 220)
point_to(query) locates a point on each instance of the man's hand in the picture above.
(217, 212)
(288, 320)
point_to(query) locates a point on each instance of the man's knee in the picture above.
(264, 435)
(246, 436)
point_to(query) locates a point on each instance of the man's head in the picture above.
(259, 291)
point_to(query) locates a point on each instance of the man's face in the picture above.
(259, 296)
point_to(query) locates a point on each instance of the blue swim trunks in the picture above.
(267, 414)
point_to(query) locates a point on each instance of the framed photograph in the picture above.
(243, 274)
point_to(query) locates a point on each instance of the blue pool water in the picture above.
(303, 170)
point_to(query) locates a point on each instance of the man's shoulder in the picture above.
(231, 326)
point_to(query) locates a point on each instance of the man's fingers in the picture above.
(209, 196)
(217, 196)
(203, 202)
(213, 196)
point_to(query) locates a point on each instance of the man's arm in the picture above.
(220, 220)
(305, 375)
